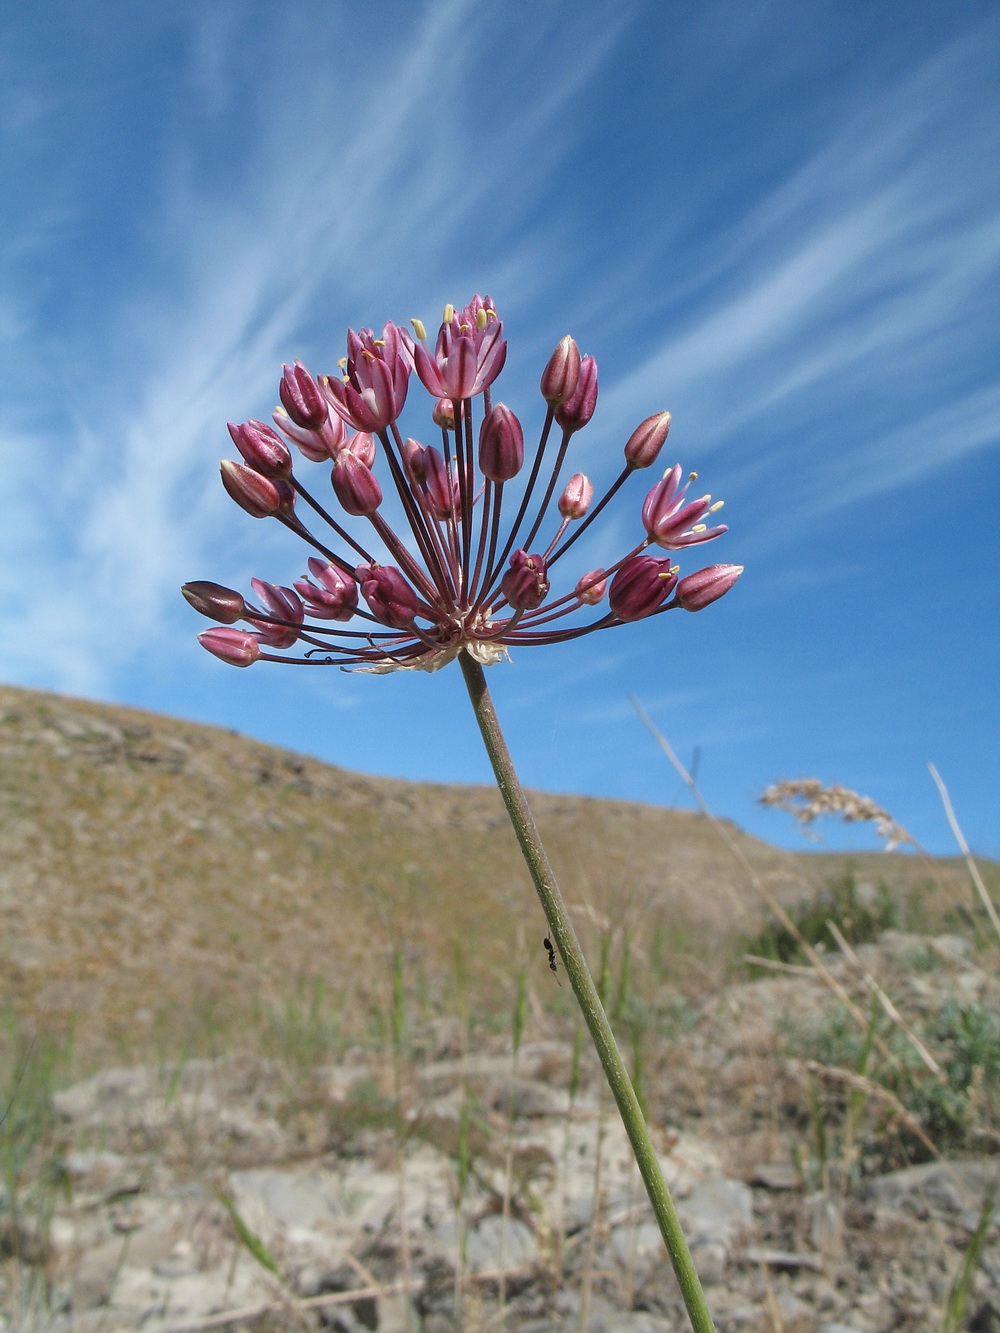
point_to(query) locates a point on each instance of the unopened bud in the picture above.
(574, 414)
(559, 379)
(389, 596)
(215, 601)
(444, 413)
(236, 646)
(440, 486)
(362, 446)
(258, 495)
(283, 605)
(592, 587)
(302, 397)
(526, 583)
(646, 441)
(262, 448)
(334, 595)
(641, 587)
(501, 444)
(700, 589)
(413, 453)
(575, 499)
(356, 486)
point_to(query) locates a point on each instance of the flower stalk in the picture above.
(564, 935)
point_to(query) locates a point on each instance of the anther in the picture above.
(419, 330)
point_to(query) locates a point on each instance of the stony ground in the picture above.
(236, 1193)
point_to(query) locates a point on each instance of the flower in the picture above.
(469, 353)
(462, 575)
(371, 394)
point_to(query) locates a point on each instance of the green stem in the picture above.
(564, 936)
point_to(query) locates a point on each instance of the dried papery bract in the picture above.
(475, 567)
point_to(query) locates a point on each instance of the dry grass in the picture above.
(164, 881)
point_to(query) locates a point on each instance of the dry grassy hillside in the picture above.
(154, 870)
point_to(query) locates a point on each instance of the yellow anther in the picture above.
(700, 527)
(369, 355)
(280, 411)
(716, 507)
(675, 569)
(342, 363)
(449, 314)
(482, 319)
(418, 329)
(692, 476)
(379, 342)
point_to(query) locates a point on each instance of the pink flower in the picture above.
(469, 353)
(461, 570)
(373, 390)
(673, 524)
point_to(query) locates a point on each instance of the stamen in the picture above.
(419, 330)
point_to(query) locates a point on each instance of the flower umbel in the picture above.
(463, 575)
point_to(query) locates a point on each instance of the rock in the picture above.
(949, 1187)
(526, 1098)
(790, 1259)
(776, 1176)
(268, 1198)
(717, 1210)
(825, 1213)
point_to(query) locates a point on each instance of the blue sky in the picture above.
(780, 221)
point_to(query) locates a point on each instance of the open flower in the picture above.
(475, 569)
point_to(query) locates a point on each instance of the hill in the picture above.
(160, 876)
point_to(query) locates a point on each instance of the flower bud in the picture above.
(236, 646)
(526, 583)
(302, 398)
(334, 595)
(258, 495)
(574, 414)
(284, 605)
(319, 446)
(699, 590)
(640, 587)
(575, 499)
(501, 444)
(362, 446)
(559, 379)
(441, 488)
(413, 453)
(390, 598)
(262, 448)
(646, 441)
(215, 601)
(592, 587)
(356, 486)
(444, 413)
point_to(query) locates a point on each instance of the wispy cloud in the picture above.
(849, 296)
(360, 190)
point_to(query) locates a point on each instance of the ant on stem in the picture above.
(552, 957)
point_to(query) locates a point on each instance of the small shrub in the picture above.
(860, 921)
